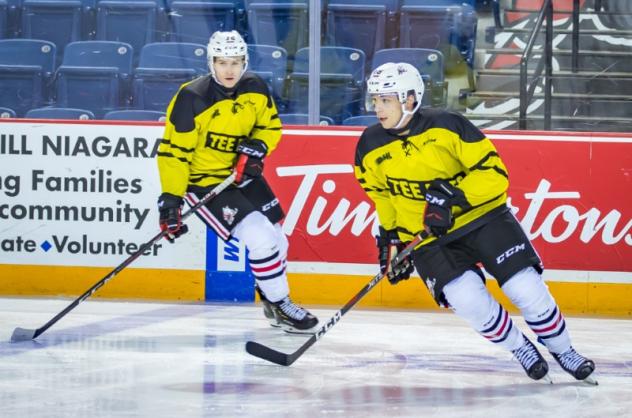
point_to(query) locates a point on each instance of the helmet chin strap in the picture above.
(405, 114)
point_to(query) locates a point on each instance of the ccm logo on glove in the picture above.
(249, 164)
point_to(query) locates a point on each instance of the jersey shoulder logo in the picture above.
(386, 156)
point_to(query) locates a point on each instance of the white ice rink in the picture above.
(111, 359)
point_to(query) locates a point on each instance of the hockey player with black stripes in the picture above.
(432, 170)
(222, 123)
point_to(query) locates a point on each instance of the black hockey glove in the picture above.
(250, 153)
(389, 245)
(441, 196)
(170, 208)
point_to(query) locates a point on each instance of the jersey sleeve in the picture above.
(268, 124)
(175, 151)
(487, 177)
(375, 188)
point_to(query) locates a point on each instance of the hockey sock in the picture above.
(469, 299)
(529, 293)
(265, 255)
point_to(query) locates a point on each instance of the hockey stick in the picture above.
(23, 334)
(266, 353)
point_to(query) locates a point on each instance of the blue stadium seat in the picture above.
(59, 113)
(302, 119)
(179, 55)
(95, 75)
(4, 13)
(28, 52)
(430, 64)
(362, 24)
(270, 63)
(341, 82)
(162, 68)
(282, 24)
(134, 114)
(448, 28)
(132, 22)
(58, 21)
(195, 20)
(362, 120)
(26, 71)
(5, 113)
(13, 18)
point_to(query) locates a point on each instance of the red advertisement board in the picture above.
(571, 192)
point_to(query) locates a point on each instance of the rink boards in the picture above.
(77, 199)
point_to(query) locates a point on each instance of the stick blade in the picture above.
(22, 334)
(266, 353)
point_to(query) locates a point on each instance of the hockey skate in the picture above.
(576, 365)
(292, 318)
(267, 309)
(532, 361)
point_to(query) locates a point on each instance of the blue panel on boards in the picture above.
(228, 274)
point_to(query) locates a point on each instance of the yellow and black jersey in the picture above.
(205, 122)
(395, 170)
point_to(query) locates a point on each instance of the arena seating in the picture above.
(280, 24)
(167, 40)
(270, 63)
(362, 120)
(4, 12)
(133, 114)
(162, 68)
(341, 82)
(194, 21)
(5, 112)
(132, 22)
(362, 24)
(59, 113)
(302, 119)
(26, 71)
(94, 75)
(57, 21)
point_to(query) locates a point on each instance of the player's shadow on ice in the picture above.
(96, 335)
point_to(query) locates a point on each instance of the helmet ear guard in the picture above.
(224, 45)
(400, 79)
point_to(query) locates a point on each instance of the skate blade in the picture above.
(291, 330)
(590, 381)
(546, 379)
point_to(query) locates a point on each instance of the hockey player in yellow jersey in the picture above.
(432, 170)
(218, 124)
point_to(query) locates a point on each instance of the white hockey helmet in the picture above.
(226, 44)
(400, 79)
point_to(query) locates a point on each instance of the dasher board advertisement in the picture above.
(84, 194)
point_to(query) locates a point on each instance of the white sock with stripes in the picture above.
(266, 255)
(469, 299)
(529, 293)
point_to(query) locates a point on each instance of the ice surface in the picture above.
(117, 359)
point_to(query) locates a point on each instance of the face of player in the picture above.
(387, 109)
(228, 70)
